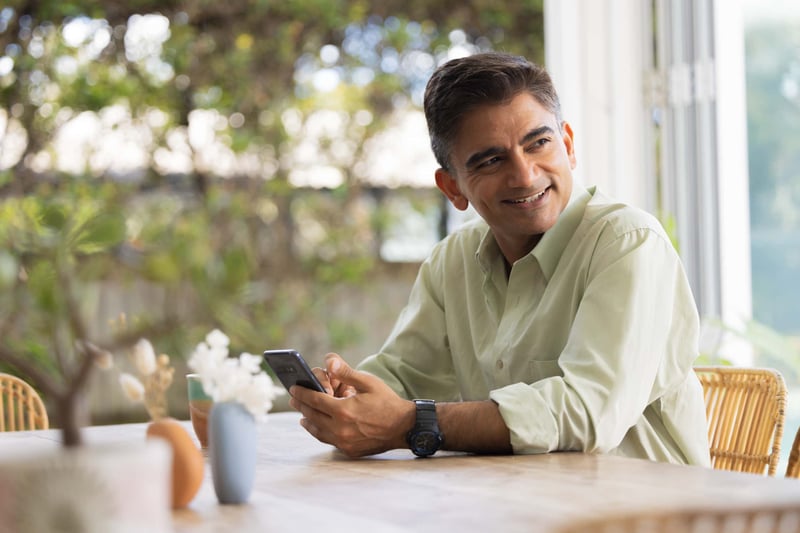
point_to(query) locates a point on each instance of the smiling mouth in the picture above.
(529, 199)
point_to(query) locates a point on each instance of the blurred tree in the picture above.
(193, 133)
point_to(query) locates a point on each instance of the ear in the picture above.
(569, 143)
(448, 185)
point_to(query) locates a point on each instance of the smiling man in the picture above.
(559, 320)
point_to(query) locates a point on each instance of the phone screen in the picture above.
(292, 369)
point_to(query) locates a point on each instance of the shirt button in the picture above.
(500, 364)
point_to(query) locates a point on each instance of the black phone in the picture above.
(292, 369)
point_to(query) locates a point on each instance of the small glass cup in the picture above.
(199, 406)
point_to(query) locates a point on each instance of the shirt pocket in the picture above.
(545, 369)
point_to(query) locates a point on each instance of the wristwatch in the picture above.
(425, 438)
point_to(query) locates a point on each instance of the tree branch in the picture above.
(90, 353)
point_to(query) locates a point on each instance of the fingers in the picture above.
(319, 424)
(323, 378)
(314, 421)
(333, 361)
(348, 441)
(339, 370)
(339, 389)
(359, 418)
(316, 424)
(303, 396)
(344, 390)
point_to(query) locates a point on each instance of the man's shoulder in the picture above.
(469, 234)
(460, 245)
(619, 217)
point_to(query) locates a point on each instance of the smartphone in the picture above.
(292, 369)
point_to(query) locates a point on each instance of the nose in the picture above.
(523, 171)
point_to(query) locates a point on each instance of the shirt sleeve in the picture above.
(626, 348)
(415, 360)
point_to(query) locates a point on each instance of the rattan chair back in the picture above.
(745, 410)
(779, 518)
(793, 466)
(21, 407)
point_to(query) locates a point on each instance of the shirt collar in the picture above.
(552, 244)
(488, 251)
(549, 249)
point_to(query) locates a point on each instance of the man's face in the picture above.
(514, 166)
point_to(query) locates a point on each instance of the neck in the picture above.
(512, 254)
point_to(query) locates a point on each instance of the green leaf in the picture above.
(52, 215)
(162, 267)
(42, 282)
(237, 269)
(100, 233)
(8, 269)
(41, 353)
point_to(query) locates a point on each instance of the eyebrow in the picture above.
(477, 157)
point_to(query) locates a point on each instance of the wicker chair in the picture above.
(793, 467)
(745, 408)
(21, 407)
(779, 518)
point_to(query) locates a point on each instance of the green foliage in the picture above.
(237, 247)
(45, 241)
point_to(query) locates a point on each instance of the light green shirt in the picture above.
(587, 345)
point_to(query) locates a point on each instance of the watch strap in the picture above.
(426, 412)
(425, 438)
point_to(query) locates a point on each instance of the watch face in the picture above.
(425, 442)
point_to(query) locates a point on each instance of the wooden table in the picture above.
(303, 485)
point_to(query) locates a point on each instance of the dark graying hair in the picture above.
(492, 78)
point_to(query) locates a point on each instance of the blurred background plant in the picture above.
(258, 167)
(150, 387)
(50, 248)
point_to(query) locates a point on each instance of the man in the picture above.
(559, 320)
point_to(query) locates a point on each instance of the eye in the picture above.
(488, 162)
(538, 144)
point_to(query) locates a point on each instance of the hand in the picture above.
(363, 417)
(333, 386)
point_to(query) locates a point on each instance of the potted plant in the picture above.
(48, 244)
(242, 394)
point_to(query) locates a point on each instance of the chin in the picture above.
(540, 227)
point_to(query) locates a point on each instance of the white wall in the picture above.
(593, 51)
(732, 163)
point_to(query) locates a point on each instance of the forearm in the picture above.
(475, 427)
(372, 418)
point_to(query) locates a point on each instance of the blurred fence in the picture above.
(371, 307)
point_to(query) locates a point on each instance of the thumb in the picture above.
(339, 369)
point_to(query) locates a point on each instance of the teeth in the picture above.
(529, 199)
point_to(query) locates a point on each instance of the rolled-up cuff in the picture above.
(525, 413)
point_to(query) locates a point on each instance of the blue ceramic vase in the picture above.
(232, 436)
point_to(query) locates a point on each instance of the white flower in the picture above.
(144, 357)
(258, 394)
(217, 339)
(238, 379)
(104, 360)
(132, 387)
(250, 362)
